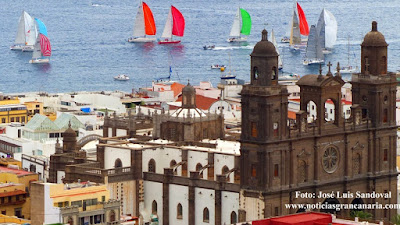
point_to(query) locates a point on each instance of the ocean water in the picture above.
(89, 41)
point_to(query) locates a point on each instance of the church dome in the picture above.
(374, 38)
(264, 47)
(188, 89)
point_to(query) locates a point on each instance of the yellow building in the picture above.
(36, 107)
(12, 111)
(76, 203)
(14, 192)
(10, 161)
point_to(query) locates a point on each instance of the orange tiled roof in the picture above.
(177, 88)
(202, 102)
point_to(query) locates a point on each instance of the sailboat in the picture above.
(27, 33)
(144, 25)
(175, 26)
(327, 30)
(348, 69)
(273, 40)
(314, 53)
(298, 26)
(241, 26)
(42, 49)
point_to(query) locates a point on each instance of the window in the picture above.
(60, 204)
(206, 215)
(12, 119)
(179, 211)
(225, 171)
(77, 203)
(3, 120)
(385, 155)
(254, 132)
(233, 217)
(118, 163)
(198, 168)
(112, 216)
(273, 77)
(255, 72)
(17, 119)
(253, 170)
(385, 115)
(37, 106)
(103, 198)
(154, 207)
(152, 166)
(276, 211)
(276, 170)
(276, 129)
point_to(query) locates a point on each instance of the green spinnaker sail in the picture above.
(246, 22)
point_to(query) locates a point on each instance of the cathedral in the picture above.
(317, 154)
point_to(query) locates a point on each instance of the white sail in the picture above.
(273, 40)
(330, 29)
(30, 30)
(37, 53)
(236, 26)
(138, 27)
(20, 38)
(295, 37)
(167, 33)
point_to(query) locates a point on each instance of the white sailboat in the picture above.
(327, 30)
(273, 40)
(26, 35)
(314, 53)
(42, 49)
(144, 25)
(241, 26)
(348, 69)
(174, 26)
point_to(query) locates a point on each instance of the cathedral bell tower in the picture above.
(264, 113)
(374, 89)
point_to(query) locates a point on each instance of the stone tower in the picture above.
(264, 114)
(69, 140)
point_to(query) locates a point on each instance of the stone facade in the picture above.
(343, 155)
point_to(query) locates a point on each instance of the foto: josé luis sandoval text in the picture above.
(338, 194)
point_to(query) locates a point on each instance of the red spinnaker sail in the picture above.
(304, 29)
(149, 24)
(45, 46)
(179, 22)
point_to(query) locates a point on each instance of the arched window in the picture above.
(198, 168)
(206, 215)
(152, 166)
(224, 171)
(255, 72)
(172, 165)
(154, 207)
(179, 211)
(118, 163)
(233, 217)
(311, 112)
(357, 164)
(273, 76)
(253, 170)
(112, 216)
(385, 115)
(330, 110)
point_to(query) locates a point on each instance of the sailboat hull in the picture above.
(38, 61)
(237, 39)
(17, 47)
(141, 39)
(162, 42)
(28, 48)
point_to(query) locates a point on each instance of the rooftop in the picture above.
(14, 171)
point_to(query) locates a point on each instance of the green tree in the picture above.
(361, 214)
(396, 219)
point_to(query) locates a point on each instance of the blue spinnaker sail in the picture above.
(42, 27)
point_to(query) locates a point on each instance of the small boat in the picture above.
(216, 66)
(273, 40)
(42, 48)
(241, 26)
(144, 25)
(288, 77)
(121, 77)
(327, 30)
(348, 69)
(174, 26)
(27, 33)
(209, 47)
(314, 53)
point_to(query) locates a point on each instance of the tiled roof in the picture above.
(202, 102)
(12, 193)
(4, 169)
(177, 88)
